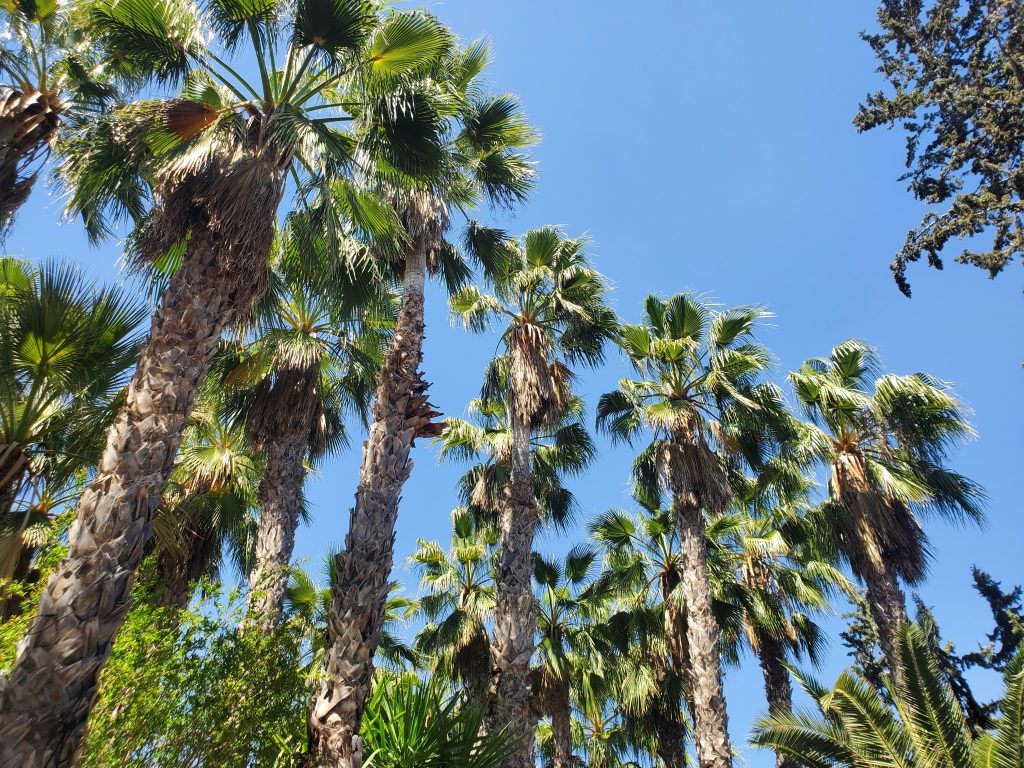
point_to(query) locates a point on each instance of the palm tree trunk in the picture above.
(177, 573)
(675, 631)
(561, 725)
(711, 727)
(778, 690)
(280, 497)
(359, 595)
(668, 720)
(45, 702)
(886, 601)
(515, 623)
(28, 126)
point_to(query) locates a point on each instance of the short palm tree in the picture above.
(214, 162)
(777, 581)
(643, 560)
(459, 604)
(308, 362)
(700, 399)
(480, 160)
(570, 610)
(210, 503)
(854, 727)
(52, 74)
(65, 351)
(884, 439)
(552, 304)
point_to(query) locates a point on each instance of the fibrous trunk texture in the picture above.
(359, 595)
(882, 539)
(668, 719)
(886, 603)
(684, 460)
(515, 622)
(28, 126)
(778, 690)
(280, 497)
(45, 702)
(561, 724)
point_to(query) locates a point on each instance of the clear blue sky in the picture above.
(709, 146)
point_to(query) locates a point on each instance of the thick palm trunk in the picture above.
(515, 611)
(280, 497)
(778, 690)
(360, 593)
(28, 126)
(561, 724)
(45, 702)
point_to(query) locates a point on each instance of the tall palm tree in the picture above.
(459, 604)
(310, 361)
(552, 304)
(52, 74)
(884, 439)
(481, 160)
(218, 158)
(570, 610)
(698, 397)
(65, 349)
(854, 727)
(557, 450)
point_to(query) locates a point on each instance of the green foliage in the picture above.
(186, 689)
(410, 722)
(854, 727)
(956, 78)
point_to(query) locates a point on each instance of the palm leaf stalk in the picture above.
(553, 307)
(481, 160)
(884, 439)
(217, 158)
(700, 397)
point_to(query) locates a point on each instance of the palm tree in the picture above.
(218, 158)
(53, 74)
(65, 349)
(210, 502)
(854, 727)
(569, 614)
(698, 395)
(643, 560)
(311, 361)
(884, 450)
(481, 160)
(553, 305)
(776, 579)
(557, 450)
(459, 604)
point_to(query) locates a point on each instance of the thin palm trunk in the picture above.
(515, 623)
(778, 690)
(359, 595)
(28, 126)
(561, 723)
(280, 497)
(45, 702)
(675, 634)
